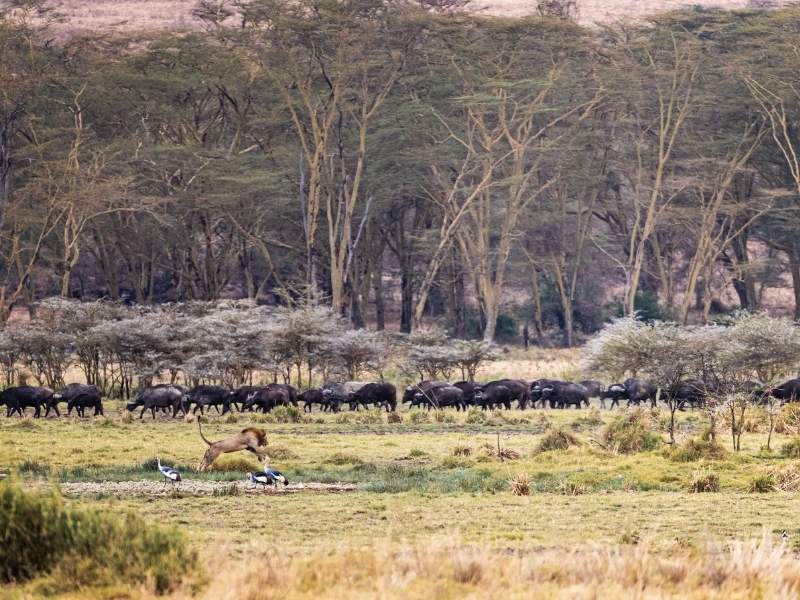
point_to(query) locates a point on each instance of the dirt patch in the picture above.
(126, 489)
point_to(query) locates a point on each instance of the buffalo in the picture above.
(80, 397)
(561, 394)
(17, 399)
(159, 397)
(638, 391)
(380, 393)
(443, 396)
(206, 396)
(492, 396)
(520, 390)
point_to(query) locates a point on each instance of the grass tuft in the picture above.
(520, 485)
(762, 484)
(697, 449)
(791, 449)
(630, 433)
(703, 481)
(557, 439)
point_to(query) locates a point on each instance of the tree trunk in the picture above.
(794, 267)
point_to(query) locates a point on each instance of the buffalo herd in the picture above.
(176, 399)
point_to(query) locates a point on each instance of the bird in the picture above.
(169, 473)
(785, 536)
(275, 477)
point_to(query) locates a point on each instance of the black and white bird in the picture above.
(268, 477)
(169, 473)
(785, 536)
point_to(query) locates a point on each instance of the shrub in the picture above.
(230, 418)
(456, 462)
(591, 420)
(476, 417)
(787, 478)
(696, 449)
(281, 453)
(443, 417)
(228, 490)
(556, 439)
(370, 417)
(233, 464)
(394, 417)
(628, 433)
(40, 534)
(287, 414)
(791, 449)
(520, 484)
(418, 417)
(462, 450)
(703, 481)
(344, 418)
(762, 484)
(33, 468)
(417, 453)
(571, 488)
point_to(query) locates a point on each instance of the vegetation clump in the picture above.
(694, 449)
(557, 439)
(704, 480)
(520, 485)
(630, 433)
(791, 449)
(762, 484)
(40, 535)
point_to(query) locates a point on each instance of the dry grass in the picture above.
(520, 484)
(755, 569)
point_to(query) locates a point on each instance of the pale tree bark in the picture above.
(674, 105)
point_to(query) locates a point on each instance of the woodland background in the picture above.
(405, 163)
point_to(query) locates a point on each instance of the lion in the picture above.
(251, 439)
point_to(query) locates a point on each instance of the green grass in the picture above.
(419, 480)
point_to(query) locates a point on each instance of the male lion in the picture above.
(251, 439)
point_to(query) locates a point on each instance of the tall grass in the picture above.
(757, 569)
(41, 535)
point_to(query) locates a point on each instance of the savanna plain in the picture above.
(536, 503)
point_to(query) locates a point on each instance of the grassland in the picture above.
(425, 483)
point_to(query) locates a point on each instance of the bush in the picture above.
(370, 417)
(394, 417)
(787, 479)
(696, 449)
(233, 464)
(475, 416)
(456, 462)
(418, 417)
(443, 417)
(462, 450)
(703, 481)
(340, 459)
(556, 439)
(281, 453)
(40, 534)
(287, 414)
(629, 433)
(761, 484)
(520, 485)
(791, 449)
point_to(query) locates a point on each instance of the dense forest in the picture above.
(406, 161)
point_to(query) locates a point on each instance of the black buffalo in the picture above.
(788, 391)
(639, 390)
(468, 389)
(692, 392)
(615, 392)
(17, 399)
(312, 397)
(490, 397)
(442, 396)
(536, 390)
(520, 390)
(80, 397)
(206, 396)
(264, 399)
(418, 394)
(162, 396)
(380, 393)
(562, 394)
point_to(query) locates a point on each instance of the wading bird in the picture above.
(169, 473)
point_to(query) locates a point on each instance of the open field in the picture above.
(426, 487)
(153, 15)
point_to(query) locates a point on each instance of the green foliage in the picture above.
(507, 328)
(557, 439)
(704, 480)
(287, 414)
(697, 449)
(40, 534)
(762, 484)
(630, 433)
(791, 449)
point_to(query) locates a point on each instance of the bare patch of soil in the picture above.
(126, 489)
